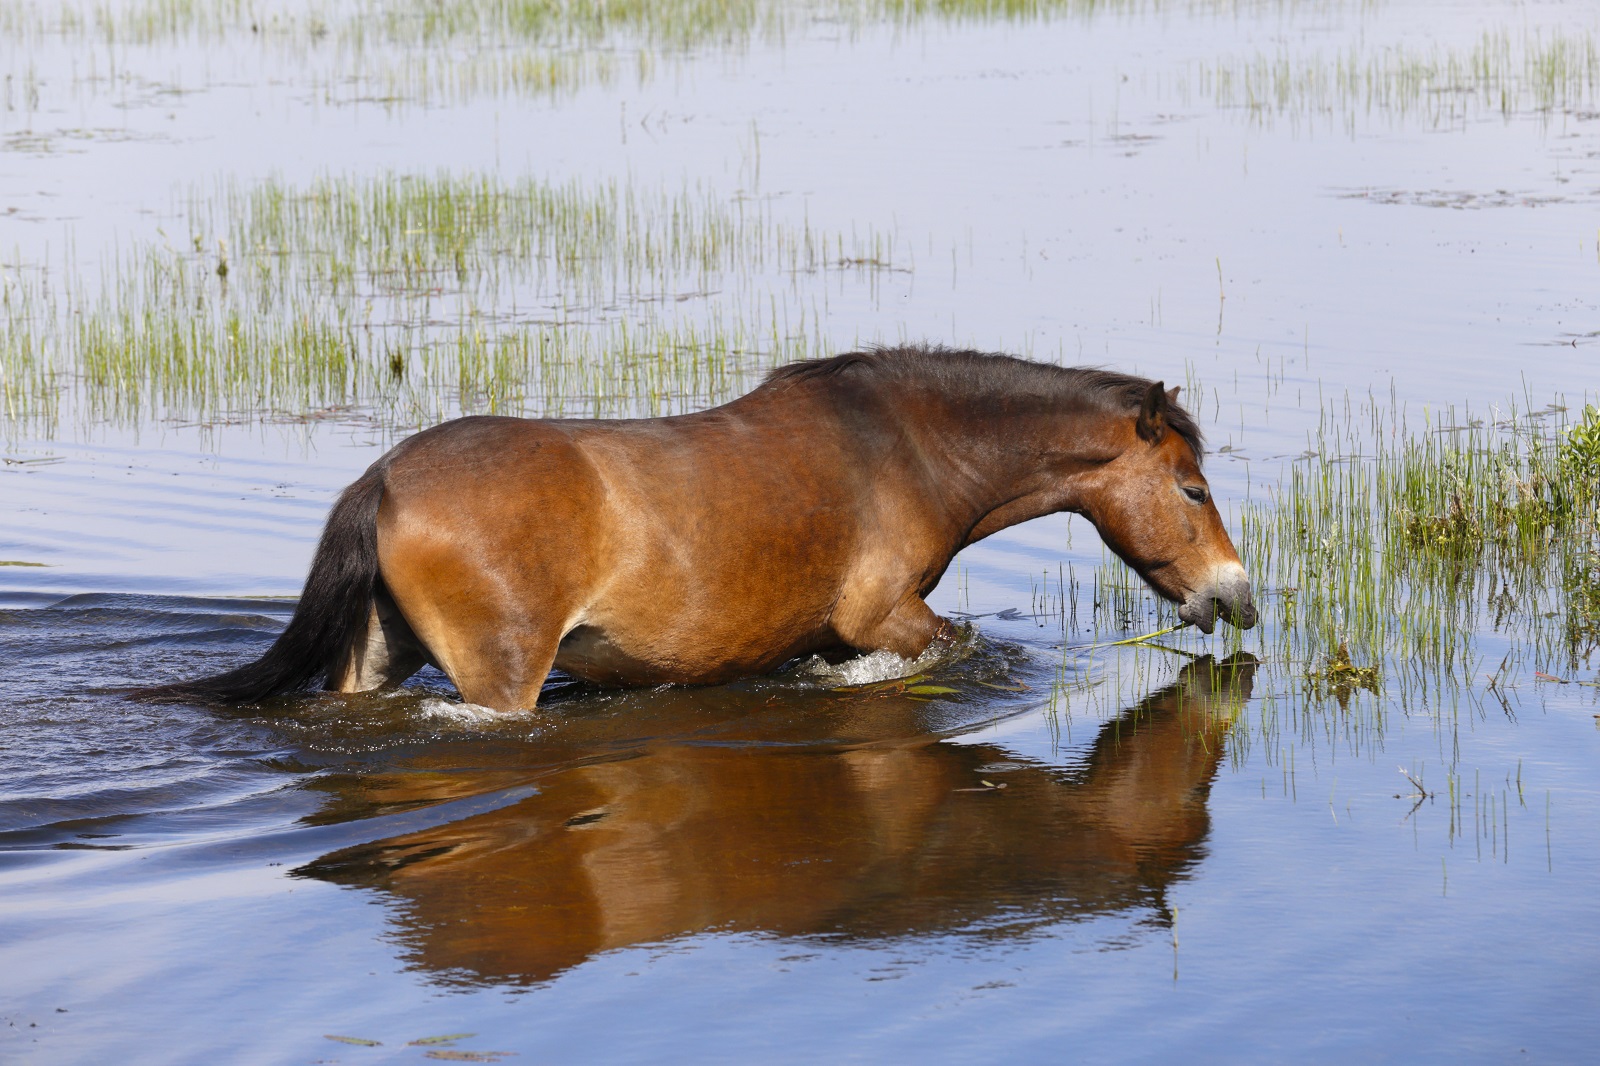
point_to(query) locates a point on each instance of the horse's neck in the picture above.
(996, 470)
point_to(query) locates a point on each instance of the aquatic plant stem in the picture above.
(1146, 638)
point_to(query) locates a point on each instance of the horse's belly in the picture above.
(593, 654)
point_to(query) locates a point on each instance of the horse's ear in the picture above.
(1172, 396)
(1152, 424)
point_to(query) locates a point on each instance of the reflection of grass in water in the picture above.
(1408, 555)
(1541, 70)
(1400, 553)
(420, 299)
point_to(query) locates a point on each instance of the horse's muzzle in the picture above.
(1226, 597)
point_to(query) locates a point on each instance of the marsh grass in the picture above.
(1538, 69)
(433, 51)
(1389, 556)
(658, 24)
(1385, 562)
(413, 299)
(30, 385)
(1434, 523)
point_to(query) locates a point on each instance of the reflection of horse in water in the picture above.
(872, 839)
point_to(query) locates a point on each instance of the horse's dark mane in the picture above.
(991, 373)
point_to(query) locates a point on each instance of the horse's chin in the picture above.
(1202, 615)
(1206, 615)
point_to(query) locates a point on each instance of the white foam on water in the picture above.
(869, 669)
(435, 708)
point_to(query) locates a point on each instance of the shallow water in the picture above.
(1199, 856)
(771, 868)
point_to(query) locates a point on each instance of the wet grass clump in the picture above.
(1340, 676)
(1497, 503)
(1578, 464)
(1578, 459)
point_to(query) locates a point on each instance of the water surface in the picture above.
(1124, 852)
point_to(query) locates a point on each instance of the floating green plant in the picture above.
(1339, 676)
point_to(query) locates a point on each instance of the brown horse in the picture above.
(811, 514)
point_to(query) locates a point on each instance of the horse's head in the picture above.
(1152, 506)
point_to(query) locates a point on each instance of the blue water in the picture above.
(778, 870)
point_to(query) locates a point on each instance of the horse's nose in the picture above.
(1227, 597)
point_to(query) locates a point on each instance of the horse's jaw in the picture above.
(1226, 595)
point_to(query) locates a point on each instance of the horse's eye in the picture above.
(1197, 493)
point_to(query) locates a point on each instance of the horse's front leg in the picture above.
(503, 668)
(905, 629)
(495, 640)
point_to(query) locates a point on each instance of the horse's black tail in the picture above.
(333, 609)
